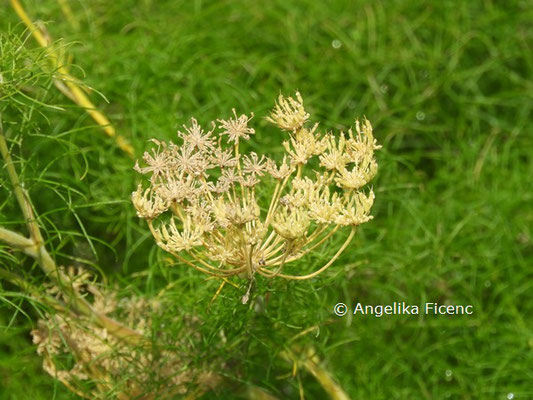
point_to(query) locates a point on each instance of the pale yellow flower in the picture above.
(289, 114)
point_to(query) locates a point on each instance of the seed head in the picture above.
(241, 213)
(289, 114)
(236, 128)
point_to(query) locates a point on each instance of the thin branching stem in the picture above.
(270, 274)
(306, 250)
(66, 83)
(35, 248)
(20, 193)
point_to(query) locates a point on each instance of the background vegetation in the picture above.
(447, 86)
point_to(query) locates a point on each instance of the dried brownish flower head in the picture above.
(202, 201)
(93, 361)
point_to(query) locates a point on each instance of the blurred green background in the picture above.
(447, 86)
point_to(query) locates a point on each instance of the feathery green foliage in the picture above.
(447, 86)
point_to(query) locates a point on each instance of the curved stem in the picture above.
(312, 364)
(34, 247)
(75, 92)
(269, 274)
(205, 271)
(286, 253)
(274, 261)
(315, 245)
(229, 272)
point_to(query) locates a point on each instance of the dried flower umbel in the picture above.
(203, 194)
(93, 362)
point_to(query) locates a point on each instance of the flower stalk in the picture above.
(34, 247)
(66, 83)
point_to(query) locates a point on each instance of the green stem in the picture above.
(34, 247)
(311, 363)
(20, 193)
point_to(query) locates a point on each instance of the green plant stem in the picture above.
(20, 193)
(16, 280)
(331, 387)
(34, 247)
(312, 365)
(34, 291)
(16, 240)
(80, 305)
